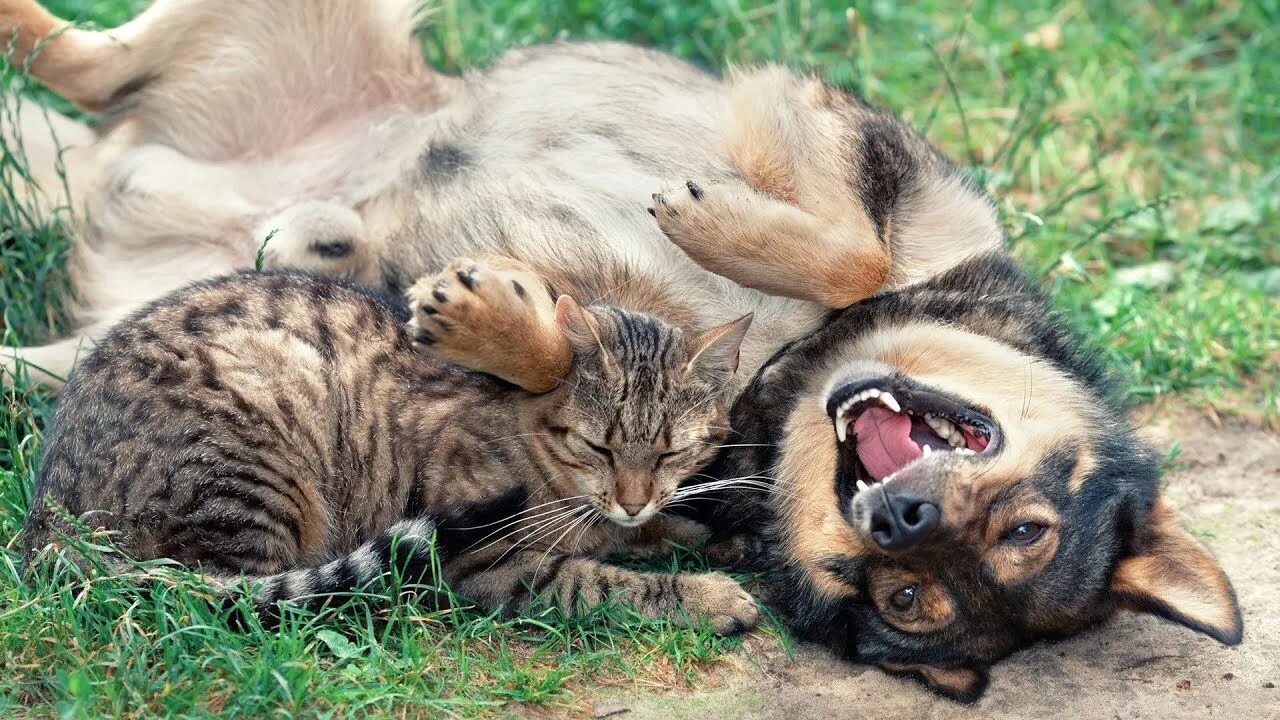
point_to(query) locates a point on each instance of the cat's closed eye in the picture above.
(600, 450)
(573, 438)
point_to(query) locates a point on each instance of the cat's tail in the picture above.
(406, 557)
(408, 554)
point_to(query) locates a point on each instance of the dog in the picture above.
(1007, 499)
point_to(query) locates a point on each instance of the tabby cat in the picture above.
(293, 430)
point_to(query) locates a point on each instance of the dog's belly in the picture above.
(566, 185)
(549, 157)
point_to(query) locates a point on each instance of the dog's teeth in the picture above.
(944, 427)
(862, 485)
(889, 401)
(928, 450)
(965, 451)
(842, 429)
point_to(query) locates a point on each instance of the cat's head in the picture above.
(643, 407)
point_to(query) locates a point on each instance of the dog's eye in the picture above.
(1025, 533)
(904, 598)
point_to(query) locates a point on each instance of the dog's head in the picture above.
(953, 484)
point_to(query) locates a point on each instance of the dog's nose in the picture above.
(632, 508)
(901, 521)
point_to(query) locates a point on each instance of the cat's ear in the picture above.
(716, 350)
(579, 325)
(1172, 575)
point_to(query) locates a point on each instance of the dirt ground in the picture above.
(1226, 483)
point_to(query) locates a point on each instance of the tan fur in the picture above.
(808, 501)
(959, 682)
(505, 326)
(1011, 564)
(1174, 570)
(778, 248)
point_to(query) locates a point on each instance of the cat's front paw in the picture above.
(721, 600)
(497, 320)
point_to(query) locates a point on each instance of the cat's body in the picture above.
(279, 424)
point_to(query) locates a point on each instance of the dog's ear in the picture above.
(1172, 575)
(961, 683)
(715, 351)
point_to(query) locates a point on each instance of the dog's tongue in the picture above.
(884, 441)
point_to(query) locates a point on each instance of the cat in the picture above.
(295, 430)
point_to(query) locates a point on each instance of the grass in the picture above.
(1134, 149)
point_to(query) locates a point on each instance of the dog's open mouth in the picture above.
(884, 426)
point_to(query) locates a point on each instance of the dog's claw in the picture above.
(694, 189)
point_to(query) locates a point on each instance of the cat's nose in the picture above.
(632, 508)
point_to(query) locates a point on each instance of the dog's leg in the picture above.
(764, 243)
(218, 79)
(47, 146)
(494, 315)
(87, 67)
(839, 198)
(48, 365)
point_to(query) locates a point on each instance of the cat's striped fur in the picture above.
(288, 428)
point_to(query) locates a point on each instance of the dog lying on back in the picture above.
(951, 481)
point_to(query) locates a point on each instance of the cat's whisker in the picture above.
(740, 477)
(757, 481)
(688, 495)
(523, 512)
(545, 531)
(530, 540)
(516, 525)
(538, 524)
(522, 515)
(729, 482)
(744, 482)
(595, 519)
(555, 543)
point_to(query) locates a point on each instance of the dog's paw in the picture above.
(491, 319)
(468, 303)
(701, 218)
(721, 600)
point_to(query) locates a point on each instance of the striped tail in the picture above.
(403, 552)
(408, 554)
